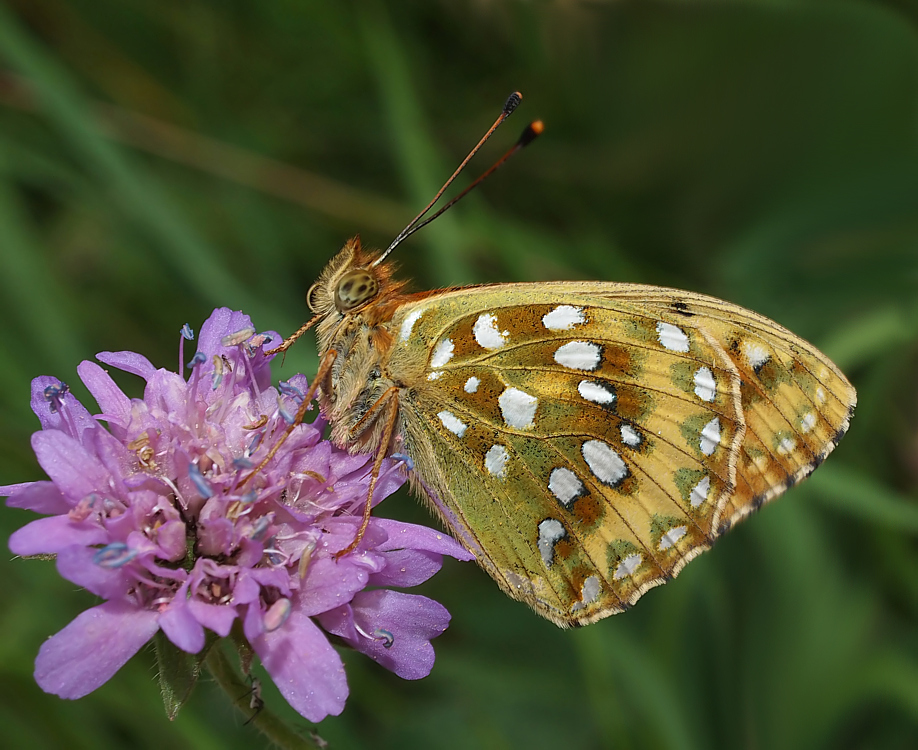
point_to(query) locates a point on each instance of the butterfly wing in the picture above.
(587, 440)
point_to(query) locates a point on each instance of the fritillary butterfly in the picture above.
(584, 440)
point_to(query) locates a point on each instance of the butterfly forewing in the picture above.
(586, 440)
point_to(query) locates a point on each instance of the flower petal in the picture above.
(406, 567)
(221, 322)
(42, 497)
(306, 669)
(76, 564)
(330, 583)
(181, 626)
(216, 617)
(75, 471)
(72, 416)
(115, 457)
(131, 362)
(115, 406)
(86, 653)
(411, 536)
(405, 622)
(48, 536)
(6, 490)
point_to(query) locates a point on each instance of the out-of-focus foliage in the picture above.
(159, 158)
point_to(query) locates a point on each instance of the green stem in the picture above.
(267, 722)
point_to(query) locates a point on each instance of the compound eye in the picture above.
(311, 301)
(355, 288)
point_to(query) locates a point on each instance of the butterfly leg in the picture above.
(324, 367)
(389, 400)
(289, 341)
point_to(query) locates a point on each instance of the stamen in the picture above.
(254, 443)
(83, 509)
(284, 414)
(261, 526)
(54, 395)
(260, 422)
(306, 558)
(287, 389)
(187, 335)
(276, 557)
(174, 488)
(199, 358)
(385, 636)
(407, 460)
(240, 337)
(254, 344)
(379, 634)
(217, 377)
(114, 555)
(277, 614)
(200, 484)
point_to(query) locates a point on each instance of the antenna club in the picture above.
(532, 131)
(513, 101)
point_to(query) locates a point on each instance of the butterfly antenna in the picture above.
(532, 131)
(511, 104)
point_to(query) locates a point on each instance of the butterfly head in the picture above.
(351, 283)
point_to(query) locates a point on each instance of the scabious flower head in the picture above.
(160, 516)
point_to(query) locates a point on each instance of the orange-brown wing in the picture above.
(587, 440)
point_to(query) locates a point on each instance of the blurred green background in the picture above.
(162, 157)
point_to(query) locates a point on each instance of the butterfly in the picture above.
(584, 440)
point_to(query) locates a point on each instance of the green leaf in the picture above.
(178, 672)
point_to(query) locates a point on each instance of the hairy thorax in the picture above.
(356, 381)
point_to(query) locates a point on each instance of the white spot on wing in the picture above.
(471, 385)
(672, 337)
(565, 485)
(550, 532)
(590, 589)
(627, 566)
(807, 422)
(604, 462)
(442, 353)
(705, 386)
(496, 461)
(671, 537)
(710, 436)
(563, 318)
(700, 492)
(756, 354)
(588, 593)
(487, 334)
(786, 446)
(598, 393)
(435, 375)
(452, 423)
(821, 395)
(630, 436)
(408, 324)
(578, 355)
(517, 408)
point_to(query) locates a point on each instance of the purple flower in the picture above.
(158, 515)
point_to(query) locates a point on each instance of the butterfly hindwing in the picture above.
(797, 404)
